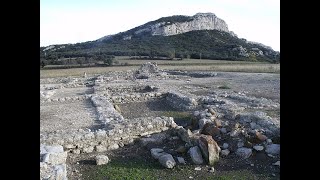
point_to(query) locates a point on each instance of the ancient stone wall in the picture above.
(114, 135)
(53, 162)
(181, 101)
(193, 74)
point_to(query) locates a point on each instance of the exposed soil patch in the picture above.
(145, 109)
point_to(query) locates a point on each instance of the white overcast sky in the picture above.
(73, 21)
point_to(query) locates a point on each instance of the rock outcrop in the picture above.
(200, 21)
(164, 27)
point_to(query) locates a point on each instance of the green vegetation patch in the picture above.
(120, 169)
(237, 175)
(138, 169)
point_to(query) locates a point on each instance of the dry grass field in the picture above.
(187, 65)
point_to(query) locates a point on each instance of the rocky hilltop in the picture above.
(200, 21)
(173, 25)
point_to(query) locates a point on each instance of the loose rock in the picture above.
(225, 146)
(261, 137)
(240, 144)
(210, 129)
(181, 160)
(157, 152)
(209, 148)
(211, 169)
(223, 130)
(225, 152)
(276, 163)
(258, 148)
(181, 149)
(234, 133)
(217, 122)
(202, 122)
(167, 161)
(273, 149)
(101, 159)
(244, 153)
(195, 155)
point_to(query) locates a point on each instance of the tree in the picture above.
(152, 54)
(86, 60)
(252, 57)
(108, 60)
(42, 64)
(79, 61)
(181, 56)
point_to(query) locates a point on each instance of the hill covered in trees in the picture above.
(141, 41)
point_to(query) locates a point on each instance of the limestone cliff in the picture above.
(200, 21)
(174, 25)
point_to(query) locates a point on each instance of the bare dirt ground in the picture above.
(255, 84)
(144, 109)
(68, 116)
(81, 114)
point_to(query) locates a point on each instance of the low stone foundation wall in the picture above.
(260, 120)
(136, 97)
(115, 135)
(116, 131)
(193, 74)
(53, 163)
(106, 111)
(181, 101)
(253, 101)
(65, 99)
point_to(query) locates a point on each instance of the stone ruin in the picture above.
(214, 118)
(53, 162)
(146, 70)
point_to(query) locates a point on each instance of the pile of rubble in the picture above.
(147, 70)
(212, 137)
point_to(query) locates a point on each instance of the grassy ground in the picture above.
(178, 114)
(137, 169)
(186, 65)
(135, 162)
(124, 59)
(79, 71)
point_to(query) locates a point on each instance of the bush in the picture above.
(109, 60)
(42, 64)
(116, 62)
